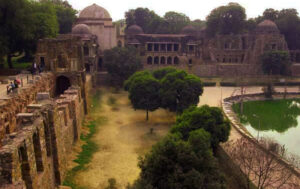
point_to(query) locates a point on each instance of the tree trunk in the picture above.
(9, 62)
(147, 115)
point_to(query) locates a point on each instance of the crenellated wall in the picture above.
(35, 155)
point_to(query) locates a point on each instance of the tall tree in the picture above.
(176, 21)
(15, 27)
(180, 90)
(144, 91)
(144, 18)
(229, 19)
(276, 62)
(121, 63)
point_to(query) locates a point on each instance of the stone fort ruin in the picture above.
(191, 50)
(40, 124)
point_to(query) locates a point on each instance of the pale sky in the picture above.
(195, 9)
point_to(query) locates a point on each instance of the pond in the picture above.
(276, 119)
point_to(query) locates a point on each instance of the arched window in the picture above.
(169, 61)
(176, 60)
(149, 60)
(156, 60)
(162, 60)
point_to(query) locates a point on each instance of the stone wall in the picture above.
(35, 154)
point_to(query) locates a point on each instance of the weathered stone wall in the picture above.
(17, 103)
(35, 155)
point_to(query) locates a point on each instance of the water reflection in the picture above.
(279, 115)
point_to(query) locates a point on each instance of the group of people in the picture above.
(13, 85)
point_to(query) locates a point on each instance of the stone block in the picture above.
(43, 96)
(25, 118)
(34, 106)
(12, 77)
(5, 81)
(25, 72)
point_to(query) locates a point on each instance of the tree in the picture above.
(229, 19)
(174, 163)
(143, 17)
(66, 17)
(259, 166)
(180, 90)
(208, 118)
(144, 91)
(176, 21)
(276, 62)
(121, 63)
(15, 27)
(22, 23)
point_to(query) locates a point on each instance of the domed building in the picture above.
(189, 30)
(100, 24)
(267, 27)
(134, 30)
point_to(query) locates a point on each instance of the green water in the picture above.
(278, 119)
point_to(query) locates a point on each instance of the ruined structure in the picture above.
(192, 50)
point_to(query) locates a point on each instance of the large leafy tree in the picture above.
(143, 17)
(276, 62)
(144, 91)
(15, 27)
(174, 163)
(22, 23)
(121, 63)
(180, 90)
(208, 118)
(175, 21)
(229, 19)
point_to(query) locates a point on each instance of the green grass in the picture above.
(89, 148)
(17, 65)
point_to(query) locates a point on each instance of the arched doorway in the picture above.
(62, 84)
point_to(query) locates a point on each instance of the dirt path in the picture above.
(122, 139)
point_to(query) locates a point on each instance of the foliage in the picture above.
(276, 62)
(121, 63)
(175, 21)
(174, 163)
(66, 17)
(112, 184)
(208, 118)
(22, 23)
(229, 19)
(180, 90)
(170, 88)
(171, 23)
(144, 92)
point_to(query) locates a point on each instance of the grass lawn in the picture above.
(16, 64)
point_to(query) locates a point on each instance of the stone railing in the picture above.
(233, 118)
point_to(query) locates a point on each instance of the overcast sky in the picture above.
(195, 9)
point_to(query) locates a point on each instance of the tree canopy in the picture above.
(229, 19)
(176, 89)
(121, 63)
(208, 118)
(276, 62)
(144, 91)
(24, 22)
(174, 163)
